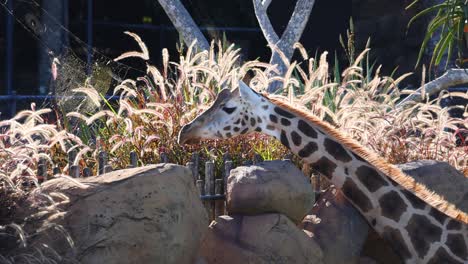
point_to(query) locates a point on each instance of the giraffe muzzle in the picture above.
(186, 135)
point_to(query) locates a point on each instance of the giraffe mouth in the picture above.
(190, 141)
(185, 136)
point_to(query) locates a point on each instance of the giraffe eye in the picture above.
(229, 110)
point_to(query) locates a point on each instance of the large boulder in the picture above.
(260, 239)
(338, 228)
(441, 178)
(269, 187)
(150, 214)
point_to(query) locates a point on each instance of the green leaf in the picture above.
(441, 50)
(435, 24)
(424, 12)
(412, 4)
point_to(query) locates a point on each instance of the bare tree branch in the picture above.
(184, 23)
(291, 35)
(451, 78)
(260, 8)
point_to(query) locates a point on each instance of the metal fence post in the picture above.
(219, 205)
(191, 167)
(133, 159)
(164, 157)
(71, 161)
(87, 172)
(56, 171)
(196, 164)
(209, 186)
(42, 170)
(227, 171)
(108, 168)
(102, 162)
(75, 171)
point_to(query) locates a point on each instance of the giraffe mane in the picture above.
(390, 170)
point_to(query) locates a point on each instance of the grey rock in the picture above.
(442, 178)
(337, 227)
(150, 214)
(269, 187)
(260, 239)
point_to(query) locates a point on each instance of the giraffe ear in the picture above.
(248, 93)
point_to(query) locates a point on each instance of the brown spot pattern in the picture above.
(454, 225)
(422, 233)
(252, 121)
(336, 150)
(284, 113)
(439, 216)
(296, 138)
(324, 166)
(392, 205)
(352, 192)
(442, 256)
(274, 119)
(415, 201)
(457, 245)
(306, 129)
(285, 122)
(394, 237)
(358, 157)
(370, 178)
(308, 149)
(284, 139)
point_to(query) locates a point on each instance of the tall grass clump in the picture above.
(363, 104)
(27, 140)
(152, 109)
(357, 100)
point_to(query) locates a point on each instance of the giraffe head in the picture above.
(233, 113)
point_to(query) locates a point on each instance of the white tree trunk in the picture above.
(291, 35)
(184, 23)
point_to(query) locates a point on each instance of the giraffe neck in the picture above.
(417, 231)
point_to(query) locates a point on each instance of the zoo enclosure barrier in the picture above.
(212, 189)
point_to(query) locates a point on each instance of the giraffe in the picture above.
(419, 225)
